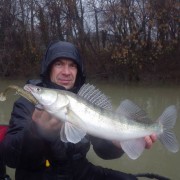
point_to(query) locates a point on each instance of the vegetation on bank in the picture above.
(131, 40)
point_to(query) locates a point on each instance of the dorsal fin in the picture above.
(95, 96)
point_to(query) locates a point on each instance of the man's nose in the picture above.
(66, 70)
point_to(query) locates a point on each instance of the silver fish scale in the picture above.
(95, 96)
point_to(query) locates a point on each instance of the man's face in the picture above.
(64, 72)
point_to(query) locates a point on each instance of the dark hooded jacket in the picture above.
(27, 149)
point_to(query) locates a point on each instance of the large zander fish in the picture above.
(90, 112)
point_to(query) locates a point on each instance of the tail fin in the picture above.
(168, 120)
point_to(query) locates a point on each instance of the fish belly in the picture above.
(104, 124)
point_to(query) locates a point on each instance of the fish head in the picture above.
(44, 96)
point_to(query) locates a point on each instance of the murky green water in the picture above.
(153, 99)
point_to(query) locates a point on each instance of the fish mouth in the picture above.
(28, 88)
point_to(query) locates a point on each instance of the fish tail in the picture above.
(167, 137)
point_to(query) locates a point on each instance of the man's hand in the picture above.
(148, 139)
(45, 121)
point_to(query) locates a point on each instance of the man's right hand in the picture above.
(46, 122)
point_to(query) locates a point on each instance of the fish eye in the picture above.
(38, 89)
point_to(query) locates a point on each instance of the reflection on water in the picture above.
(153, 99)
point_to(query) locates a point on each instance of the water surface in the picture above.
(153, 99)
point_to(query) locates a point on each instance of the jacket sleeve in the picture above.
(22, 147)
(105, 149)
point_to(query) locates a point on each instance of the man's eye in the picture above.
(58, 64)
(73, 65)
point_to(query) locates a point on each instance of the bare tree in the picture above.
(134, 35)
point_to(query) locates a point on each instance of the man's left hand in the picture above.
(148, 139)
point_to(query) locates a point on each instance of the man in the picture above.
(32, 144)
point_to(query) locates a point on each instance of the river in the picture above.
(152, 98)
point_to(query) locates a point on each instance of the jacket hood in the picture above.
(61, 49)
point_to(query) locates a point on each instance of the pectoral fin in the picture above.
(133, 148)
(63, 134)
(71, 133)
